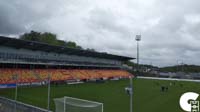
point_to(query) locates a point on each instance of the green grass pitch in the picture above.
(147, 94)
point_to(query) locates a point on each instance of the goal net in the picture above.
(69, 104)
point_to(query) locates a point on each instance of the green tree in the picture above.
(48, 38)
(71, 44)
(33, 36)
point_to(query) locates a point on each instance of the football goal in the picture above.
(70, 104)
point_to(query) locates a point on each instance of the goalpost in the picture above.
(70, 104)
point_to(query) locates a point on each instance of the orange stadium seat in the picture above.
(7, 76)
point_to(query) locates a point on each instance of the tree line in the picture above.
(51, 39)
(182, 68)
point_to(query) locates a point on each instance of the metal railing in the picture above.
(8, 105)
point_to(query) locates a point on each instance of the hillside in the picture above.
(184, 68)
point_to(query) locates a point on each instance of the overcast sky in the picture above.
(170, 29)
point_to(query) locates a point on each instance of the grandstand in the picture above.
(28, 62)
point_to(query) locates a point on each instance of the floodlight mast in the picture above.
(138, 38)
(131, 94)
(49, 90)
(16, 85)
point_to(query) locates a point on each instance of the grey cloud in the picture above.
(170, 29)
(21, 15)
(104, 20)
(7, 21)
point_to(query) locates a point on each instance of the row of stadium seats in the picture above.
(9, 76)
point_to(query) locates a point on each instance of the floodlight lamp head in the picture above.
(138, 37)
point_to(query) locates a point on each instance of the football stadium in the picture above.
(28, 64)
(99, 55)
(38, 77)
